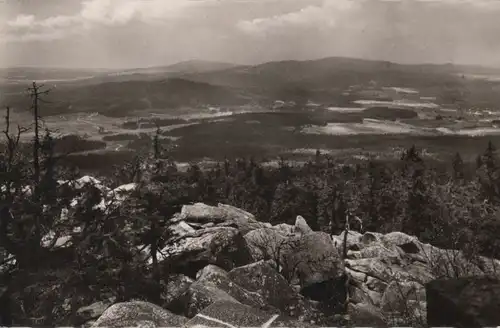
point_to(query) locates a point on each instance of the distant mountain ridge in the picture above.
(191, 67)
(93, 76)
(205, 83)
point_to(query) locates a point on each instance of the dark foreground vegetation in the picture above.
(454, 208)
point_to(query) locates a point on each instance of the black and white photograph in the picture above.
(249, 163)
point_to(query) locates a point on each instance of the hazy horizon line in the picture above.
(235, 64)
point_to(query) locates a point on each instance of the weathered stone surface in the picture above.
(373, 267)
(375, 284)
(357, 276)
(244, 221)
(211, 273)
(357, 295)
(377, 250)
(181, 229)
(463, 302)
(398, 294)
(138, 314)
(398, 238)
(366, 315)
(201, 213)
(177, 285)
(197, 297)
(301, 226)
(353, 241)
(267, 243)
(209, 241)
(227, 314)
(216, 276)
(92, 311)
(261, 278)
(285, 229)
(222, 246)
(315, 258)
(370, 238)
(376, 297)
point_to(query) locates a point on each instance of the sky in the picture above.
(142, 33)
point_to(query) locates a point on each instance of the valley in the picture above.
(208, 111)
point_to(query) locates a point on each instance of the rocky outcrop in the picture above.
(93, 311)
(221, 246)
(365, 315)
(199, 296)
(138, 314)
(200, 215)
(177, 285)
(314, 258)
(213, 285)
(301, 226)
(263, 279)
(307, 258)
(464, 302)
(220, 278)
(385, 273)
(228, 314)
(388, 272)
(267, 243)
(225, 266)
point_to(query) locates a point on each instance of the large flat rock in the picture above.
(138, 314)
(228, 314)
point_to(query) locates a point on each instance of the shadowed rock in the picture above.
(222, 246)
(463, 302)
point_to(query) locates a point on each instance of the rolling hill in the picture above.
(122, 98)
(203, 83)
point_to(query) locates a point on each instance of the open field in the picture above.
(373, 132)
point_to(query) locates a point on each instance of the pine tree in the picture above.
(374, 186)
(489, 157)
(317, 157)
(489, 175)
(479, 162)
(458, 167)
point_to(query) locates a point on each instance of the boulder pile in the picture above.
(228, 269)
(233, 270)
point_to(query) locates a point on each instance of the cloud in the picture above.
(329, 12)
(302, 18)
(148, 32)
(22, 21)
(95, 13)
(324, 15)
(474, 4)
(123, 11)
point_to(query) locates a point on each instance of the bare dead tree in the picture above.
(12, 146)
(348, 216)
(156, 143)
(36, 94)
(287, 252)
